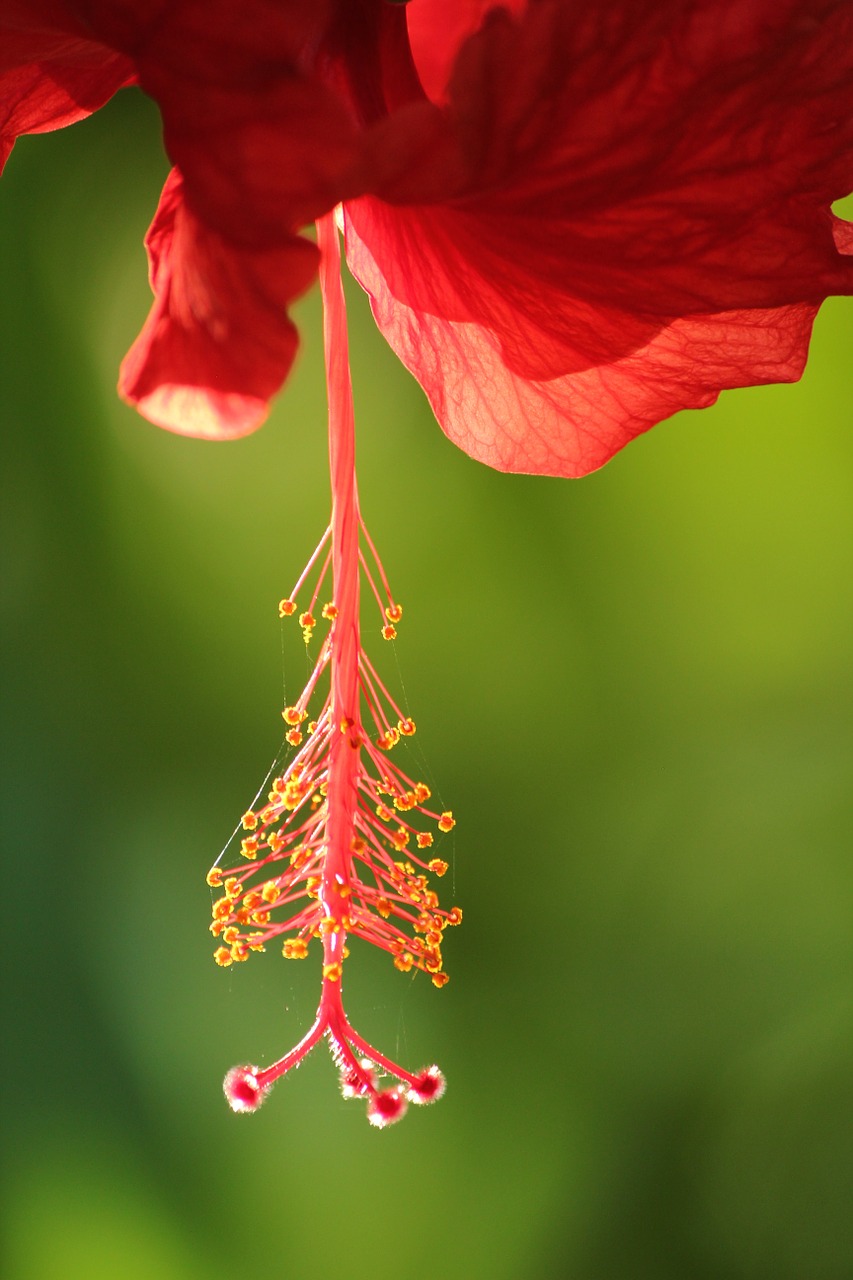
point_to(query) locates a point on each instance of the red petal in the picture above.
(264, 144)
(437, 30)
(573, 424)
(217, 343)
(51, 74)
(619, 169)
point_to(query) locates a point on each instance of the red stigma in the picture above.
(242, 1089)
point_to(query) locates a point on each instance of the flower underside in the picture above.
(341, 844)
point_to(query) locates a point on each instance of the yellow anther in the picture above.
(454, 915)
(293, 715)
(345, 953)
(269, 892)
(249, 847)
(295, 949)
(276, 841)
(383, 906)
(383, 813)
(433, 938)
(440, 979)
(239, 951)
(329, 925)
(400, 838)
(358, 845)
(260, 917)
(312, 884)
(430, 900)
(425, 839)
(330, 611)
(230, 935)
(407, 727)
(222, 956)
(389, 632)
(437, 866)
(394, 612)
(308, 622)
(422, 792)
(216, 927)
(249, 820)
(222, 908)
(432, 960)
(286, 608)
(446, 822)
(252, 900)
(294, 737)
(332, 972)
(233, 887)
(214, 877)
(404, 962)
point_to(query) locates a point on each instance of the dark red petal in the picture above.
(264, 143)
(51, 73)
(571, 425)
(217, 343)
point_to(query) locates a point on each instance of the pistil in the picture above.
(335, 851)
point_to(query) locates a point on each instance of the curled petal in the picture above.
(217, 343)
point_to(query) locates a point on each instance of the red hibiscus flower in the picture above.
(572, 220)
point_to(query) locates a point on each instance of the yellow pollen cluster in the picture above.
(284, 889)
(295, 949)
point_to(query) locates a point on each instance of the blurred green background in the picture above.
(635, 692)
